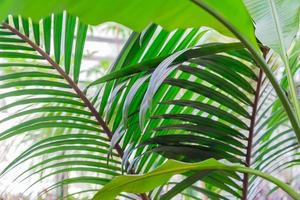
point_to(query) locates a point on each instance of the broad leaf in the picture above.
(185, 12)
(276, 22)
(158, 177)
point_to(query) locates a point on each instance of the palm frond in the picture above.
(48, 104)
(196, 103)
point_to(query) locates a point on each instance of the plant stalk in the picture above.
(251, 130)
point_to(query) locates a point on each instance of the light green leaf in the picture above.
(276, 21)
(164, 12)
(158, 177)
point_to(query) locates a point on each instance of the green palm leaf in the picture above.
(46, 100)
(169, 95)
(205, 114)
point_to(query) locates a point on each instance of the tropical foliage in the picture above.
(188, 113)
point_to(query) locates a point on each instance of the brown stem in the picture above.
(82, 96)
(251, 130)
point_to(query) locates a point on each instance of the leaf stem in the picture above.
(251, 131)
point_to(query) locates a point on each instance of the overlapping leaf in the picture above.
(197, 110)
(196, 104)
